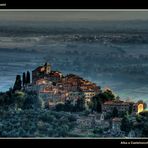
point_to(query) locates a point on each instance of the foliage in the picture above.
(101, 98)
(19, 98)
(130, 108)
(24, 78)
(59, 107)
(46, 117)
(98, 131)
(65, 107)
(18, 83)
(80, 104)
(115, 112)
(96, 104)
(142, 120)
(68, 106)
(145, 130)
(72, 118)
(107, 95)
(6, 98)
(144, 114)
(36, 123)
(31, 100)
(86, 112)
(28, 77)
(139, 118)
(126, 125)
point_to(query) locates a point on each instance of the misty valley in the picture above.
(116, 59)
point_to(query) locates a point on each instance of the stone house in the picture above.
(91, 121)
(116, 124)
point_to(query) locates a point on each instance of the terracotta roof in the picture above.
(116, 103)
(109, 102)
(73, 76)
(55, 74)
(117, 119)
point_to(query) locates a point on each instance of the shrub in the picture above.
(59, 107)
(145, 130)
(72, 118)
(98, 131)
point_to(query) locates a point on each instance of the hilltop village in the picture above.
(53, 88)
(96, 112)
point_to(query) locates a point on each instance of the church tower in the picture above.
(47, 68)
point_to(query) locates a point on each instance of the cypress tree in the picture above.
(24, 78)
(115, 112)
(28, 77)
(18, 83)
(80, 106)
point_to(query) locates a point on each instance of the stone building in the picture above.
(40, 72)
(91, 121)
(116, 124)
(121, 106)
(45, 72)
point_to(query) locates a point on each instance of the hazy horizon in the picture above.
(72, 15)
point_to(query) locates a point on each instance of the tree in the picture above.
(59, 107)
(72, 118)
(99, 99)
(17, 84)
(96, 104)
(107, 95)
(31, 100)
(98, 131)
(24, 78)
(115, 112)
(28, 77)
(130, 108)
(80, 105)
(63, 130)
(19, 98)
(68, 106)
(145, 130)
(125, 125)
(144, 114)
(118, 98)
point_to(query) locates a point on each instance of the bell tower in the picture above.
(47, 68)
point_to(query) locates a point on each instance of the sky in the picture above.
(72, 15)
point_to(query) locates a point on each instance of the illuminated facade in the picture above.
(122, 107)
(45, 72)
(138, 107)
